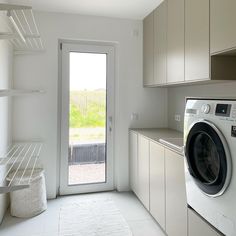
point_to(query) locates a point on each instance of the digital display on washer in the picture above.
(223, 110)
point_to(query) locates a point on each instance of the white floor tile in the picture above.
(145, 228)
(46, 224)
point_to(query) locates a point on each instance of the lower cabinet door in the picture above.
(198, 226)
(157, 183)
(133, 161)
(176, 200)
(143, 170)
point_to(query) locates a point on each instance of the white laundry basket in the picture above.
(31, 201)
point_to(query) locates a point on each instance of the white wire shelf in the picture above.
(19, 92)
(22, 30)
(20, 159)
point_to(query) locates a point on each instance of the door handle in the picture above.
(110, 123)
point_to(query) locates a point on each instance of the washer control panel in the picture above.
(223, 110)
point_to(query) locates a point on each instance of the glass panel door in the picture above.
(87, 140)
(86, 125)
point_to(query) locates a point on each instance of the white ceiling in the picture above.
(131, 9)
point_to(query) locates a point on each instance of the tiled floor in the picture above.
(46, 224)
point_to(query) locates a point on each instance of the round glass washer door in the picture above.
(208, 158)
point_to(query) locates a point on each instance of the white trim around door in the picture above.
(83, 47)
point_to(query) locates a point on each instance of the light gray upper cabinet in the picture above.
(197, 39)
(198, 226)
(133, 153)
(143, 170)
(175, 41)
(188, 41)
(199, 65)
(223, 20)
(160, 43)
(157, 183)
(148, 50)
(176, 200)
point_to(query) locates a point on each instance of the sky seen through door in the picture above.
(87, 71)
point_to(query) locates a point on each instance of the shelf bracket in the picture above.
(7, 35)
(10, 7)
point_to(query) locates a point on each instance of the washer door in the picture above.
(208, 158)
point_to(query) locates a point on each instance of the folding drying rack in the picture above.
(21, 28)
(20, 159)
(18, 25)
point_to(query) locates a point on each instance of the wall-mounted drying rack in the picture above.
(23, 33)
(20, 160)
(19, 92)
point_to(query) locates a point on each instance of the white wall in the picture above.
(37, 116)
(5, 112)
(6, 61)
(176, 98)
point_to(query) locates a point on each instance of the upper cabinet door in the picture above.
(175, 38)
(223, 20)
(197, 37)
(160, 43)
(148, 50)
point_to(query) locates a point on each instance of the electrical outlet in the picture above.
(135, 33)
(177, 118)
(134, 116)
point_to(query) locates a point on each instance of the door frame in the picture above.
(99, 47)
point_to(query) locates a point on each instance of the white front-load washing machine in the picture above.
(210, 160)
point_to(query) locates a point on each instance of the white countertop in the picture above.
(169, 138)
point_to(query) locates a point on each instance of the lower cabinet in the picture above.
(143, 170)
(176, 200)
(157, 178)
(133, 164)
(157, 183)
(198, 226)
